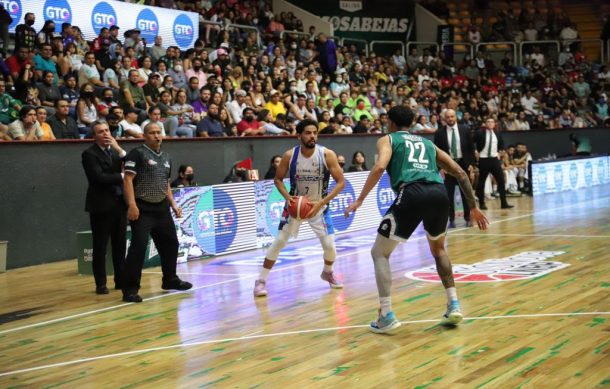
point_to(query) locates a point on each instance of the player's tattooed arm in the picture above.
(451, 167)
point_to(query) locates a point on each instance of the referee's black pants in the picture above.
(104, 226)
(156, 220)
(450, 184)
(491, 166)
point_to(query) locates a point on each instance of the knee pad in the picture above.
(328, 246)
(278, 244)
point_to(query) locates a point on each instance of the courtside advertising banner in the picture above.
(572, 174)
(221, 219)
(178, 28)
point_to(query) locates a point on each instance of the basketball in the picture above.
(300, 208)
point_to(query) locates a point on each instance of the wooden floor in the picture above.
(549, 331)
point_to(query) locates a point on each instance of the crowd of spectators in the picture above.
(235, 82)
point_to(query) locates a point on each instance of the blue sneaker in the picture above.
(453, 315)
(385, 324)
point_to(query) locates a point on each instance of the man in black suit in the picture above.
(458, 143)
(107, 210)
(489, 143)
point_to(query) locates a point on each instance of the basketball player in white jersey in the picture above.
(309, 167)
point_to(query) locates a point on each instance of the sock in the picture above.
(328, 268)
(264, 273)
(451, 294)
(386, 305)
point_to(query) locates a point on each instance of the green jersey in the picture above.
(413, 159)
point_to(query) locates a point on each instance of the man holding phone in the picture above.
(103, 163)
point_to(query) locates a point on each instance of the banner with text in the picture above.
(382, 20)
(178, 28)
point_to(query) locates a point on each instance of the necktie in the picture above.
(108, 153)
(490, 140)
(454, 153)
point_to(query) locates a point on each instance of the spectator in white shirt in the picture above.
(530, 33)
(530, 104)
(237, 106)
(538, 56)
(129, 127)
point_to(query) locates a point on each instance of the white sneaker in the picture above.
(453, 315)
(260, 288)
(330, 278)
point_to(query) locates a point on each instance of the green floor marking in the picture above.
(599, 349)
(424, 386)
(561, 284)
(596, 321)
(519, 354)
(98, 337)
(201, 372)
(418, 297)
(486, 382)
(426, 363)
(215, 382)
(275, 359)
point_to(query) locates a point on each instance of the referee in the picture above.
(148, 196)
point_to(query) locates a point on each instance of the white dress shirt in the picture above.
(457, 137)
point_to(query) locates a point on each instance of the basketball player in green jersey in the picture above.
(412, 162)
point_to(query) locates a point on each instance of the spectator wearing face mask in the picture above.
(361, 110)
(178, 75)
(186, 177)
(249, 126)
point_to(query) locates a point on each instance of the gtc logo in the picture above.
(104, 19)
(183, 31)
(385, 195)
(522, 266)
(103, 15)
(14, 9)
(148, 24)
(339, 204)
(58, 11)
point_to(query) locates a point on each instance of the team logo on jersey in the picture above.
(529, 264)
(151, 162)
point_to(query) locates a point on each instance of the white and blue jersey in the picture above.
(309, 177)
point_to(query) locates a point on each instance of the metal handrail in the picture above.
(366, 43)
(521, 44)
(294, 33)
(459, 44)
(259, 42)
(402, 45)
(513, 44)
(601, 44)
(421, 43)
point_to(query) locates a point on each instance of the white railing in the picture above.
(401, 44)
(415, 43)
(471, 50)
(513, 44)
(363, 41)
(538, 43)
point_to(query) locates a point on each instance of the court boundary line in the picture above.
(279, 334)
(202, 274)
(536, 235)
(86, 313)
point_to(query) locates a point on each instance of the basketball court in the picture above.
(534, 290)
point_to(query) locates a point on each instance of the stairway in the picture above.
(586, 15)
